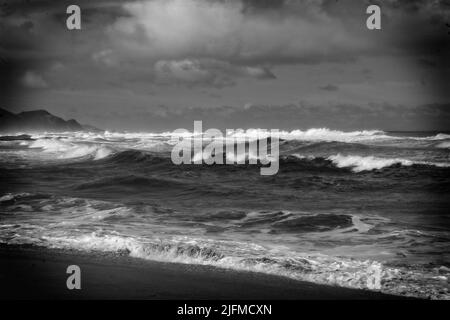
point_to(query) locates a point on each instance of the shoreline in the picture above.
(30, 272)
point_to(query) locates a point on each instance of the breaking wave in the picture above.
(317, 268)
(92, 225)
(367, 163)
(443, 145)
(64, 149)
(314, 134)
(440, 136)
(133, 200)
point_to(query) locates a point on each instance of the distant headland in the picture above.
(38, 120)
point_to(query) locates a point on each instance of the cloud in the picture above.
(214, 43)
(329, 87)
(259, 72)
(33, 80)
(223, 30)
(191, 72)
(206, 72)
(105, 57)
(273, 51)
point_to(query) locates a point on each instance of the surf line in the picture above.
(213, 147)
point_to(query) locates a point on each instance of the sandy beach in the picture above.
(37, 273)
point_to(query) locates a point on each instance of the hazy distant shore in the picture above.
(39, 273)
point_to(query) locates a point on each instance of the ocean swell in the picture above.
(357, 163)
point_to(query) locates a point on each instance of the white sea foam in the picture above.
(325, 134)
(13, 196)
(359, 163)
(315, 134)
(66, 149)
(317, 268)
(367, 163)
(440, 136)
(82, 216)
(312, 134)
(443, 145)
(239, 157)
(78, 144)
(303, 157)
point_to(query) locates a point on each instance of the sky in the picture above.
(277, 64)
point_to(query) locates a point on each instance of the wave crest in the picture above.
(358, 163)
(323, 269)
(368, 163)
(65, 149)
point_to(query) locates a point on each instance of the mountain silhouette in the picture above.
(38, 120)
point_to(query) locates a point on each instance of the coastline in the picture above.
(28, 272)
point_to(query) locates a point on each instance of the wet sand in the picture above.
(39, 273)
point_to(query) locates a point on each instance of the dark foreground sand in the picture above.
(36, 273)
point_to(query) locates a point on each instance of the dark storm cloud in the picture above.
(225, 31)
(8, 79)
(247, 33)
(425, 18)
(104, 44)
(139, 45)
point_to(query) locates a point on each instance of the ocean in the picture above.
(362, 209)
